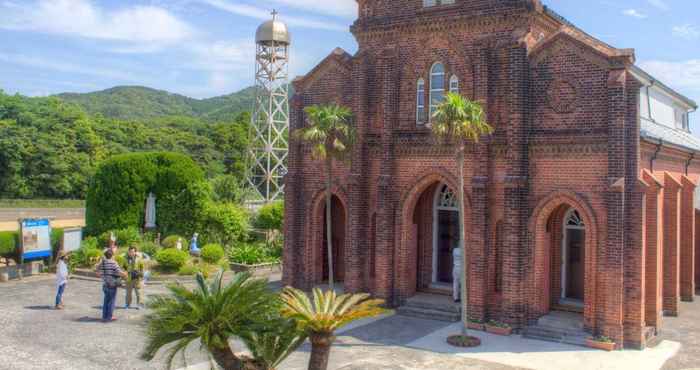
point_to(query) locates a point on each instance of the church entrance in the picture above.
(573, 259)
(338, 239)
(446, 235)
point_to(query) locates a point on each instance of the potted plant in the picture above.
(498, 328)
(601, 342)
(475, 324)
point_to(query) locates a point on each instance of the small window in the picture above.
(429, 3)
(420, 102)
(437, 86)
(454, 84)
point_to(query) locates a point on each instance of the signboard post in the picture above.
(71, 239)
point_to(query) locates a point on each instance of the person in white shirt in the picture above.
(456, 272)
(61, 279)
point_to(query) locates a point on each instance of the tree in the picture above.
(328, 313)
(457, 120)
(213, 313)
(331, 137)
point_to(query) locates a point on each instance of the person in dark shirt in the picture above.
(110, 272)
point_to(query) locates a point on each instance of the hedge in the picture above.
(212, 253)
(224, 223)
(171, 259)
(171, 242)
(9, 240)
(271, 216)
(117, 194)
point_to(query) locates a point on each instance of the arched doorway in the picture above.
(445, 235)
(573, 257)
(338, 219)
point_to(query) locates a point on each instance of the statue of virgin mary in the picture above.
(150, 211)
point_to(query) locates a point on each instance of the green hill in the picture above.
(139, 103)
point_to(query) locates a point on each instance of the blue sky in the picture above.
(204, 48)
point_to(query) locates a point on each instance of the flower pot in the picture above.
(475, 326)
(498, 330)
(605, 346)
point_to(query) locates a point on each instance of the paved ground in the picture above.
(32, 336)
(60, 217)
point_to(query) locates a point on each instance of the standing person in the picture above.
(135, 268)
(61, 279)
(111, 273)
(456, 272)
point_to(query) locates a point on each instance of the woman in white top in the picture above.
(61, 279)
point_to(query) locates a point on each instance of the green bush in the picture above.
(171, 241)
(225, 223)
(9, 241)
(87, 255)
(56, 237)
(271, 216)
(118, 191)
(213, 253)
(228, 189)
(149, 248)
(171, 259)
(253, 254)
(189, 270)
(125, 237)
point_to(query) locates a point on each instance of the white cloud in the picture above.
(660, 4)
(679, 75)
(82, 18)
(264, 14)
(65, 67)
(686, 31)
(634, 13)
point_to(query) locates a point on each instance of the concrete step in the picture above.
(437, 306)
(552, 334)
(425, 313)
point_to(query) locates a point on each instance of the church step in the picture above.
(551, 334)
(429, 314)
(437, 306)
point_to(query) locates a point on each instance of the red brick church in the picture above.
(581, 201)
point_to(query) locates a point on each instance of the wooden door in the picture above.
(448, 236)
(576, 257)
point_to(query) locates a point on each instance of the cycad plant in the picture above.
(212, 313)
(458, 120)
(331, 137)
(320, 318)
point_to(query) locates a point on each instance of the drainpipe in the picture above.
(687, 164)
(656, 154)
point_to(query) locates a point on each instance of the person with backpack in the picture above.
(136, 269)
(110, 272)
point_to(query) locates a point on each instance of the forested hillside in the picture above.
(49, 148)
(138, 103)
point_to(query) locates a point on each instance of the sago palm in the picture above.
(458, 120)
(322, 317)
(331, 137)
(212, 313)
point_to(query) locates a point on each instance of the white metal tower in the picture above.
(267, 155)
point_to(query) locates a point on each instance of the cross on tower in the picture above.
(274, 14)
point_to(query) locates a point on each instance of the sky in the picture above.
(205, 48)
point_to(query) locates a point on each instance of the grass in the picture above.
(42, 203)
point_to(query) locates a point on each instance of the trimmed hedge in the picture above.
(171, 242)
(9, 241)
(212, 253)
(171, 259)
(271, 216)
(117, 195)
(225, 223)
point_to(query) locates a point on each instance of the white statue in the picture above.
(151, 211)
(179, 244)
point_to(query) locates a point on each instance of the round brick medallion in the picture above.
(562, 96)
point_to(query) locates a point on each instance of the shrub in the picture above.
(125, 237)
(271, 216)
(171, 259)
(149, 248)
(225, 223)
(253, 254)
(228, 188)
(56, 237)
(87, 255)
(212, 253)
(171, 241)
(9, 241)
(189, 270)
(118, 191)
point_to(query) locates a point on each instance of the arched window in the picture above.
(574, 220)
(437, 86)
(447, 199)
(454, 84)
(420, 102)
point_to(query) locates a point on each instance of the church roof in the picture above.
(656, 132)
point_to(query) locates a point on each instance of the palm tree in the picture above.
(328, 312)
(212, 313)
(457, 120)
(331, 137)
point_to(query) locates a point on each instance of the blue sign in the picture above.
(36, 238)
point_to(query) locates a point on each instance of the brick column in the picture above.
(356, 273)
(294, 253)
(386, 203)
(697, 248)
(516, 210)
(672, 218)
(654, 250)
(610, 268)
(477, 241)
(687, 239)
